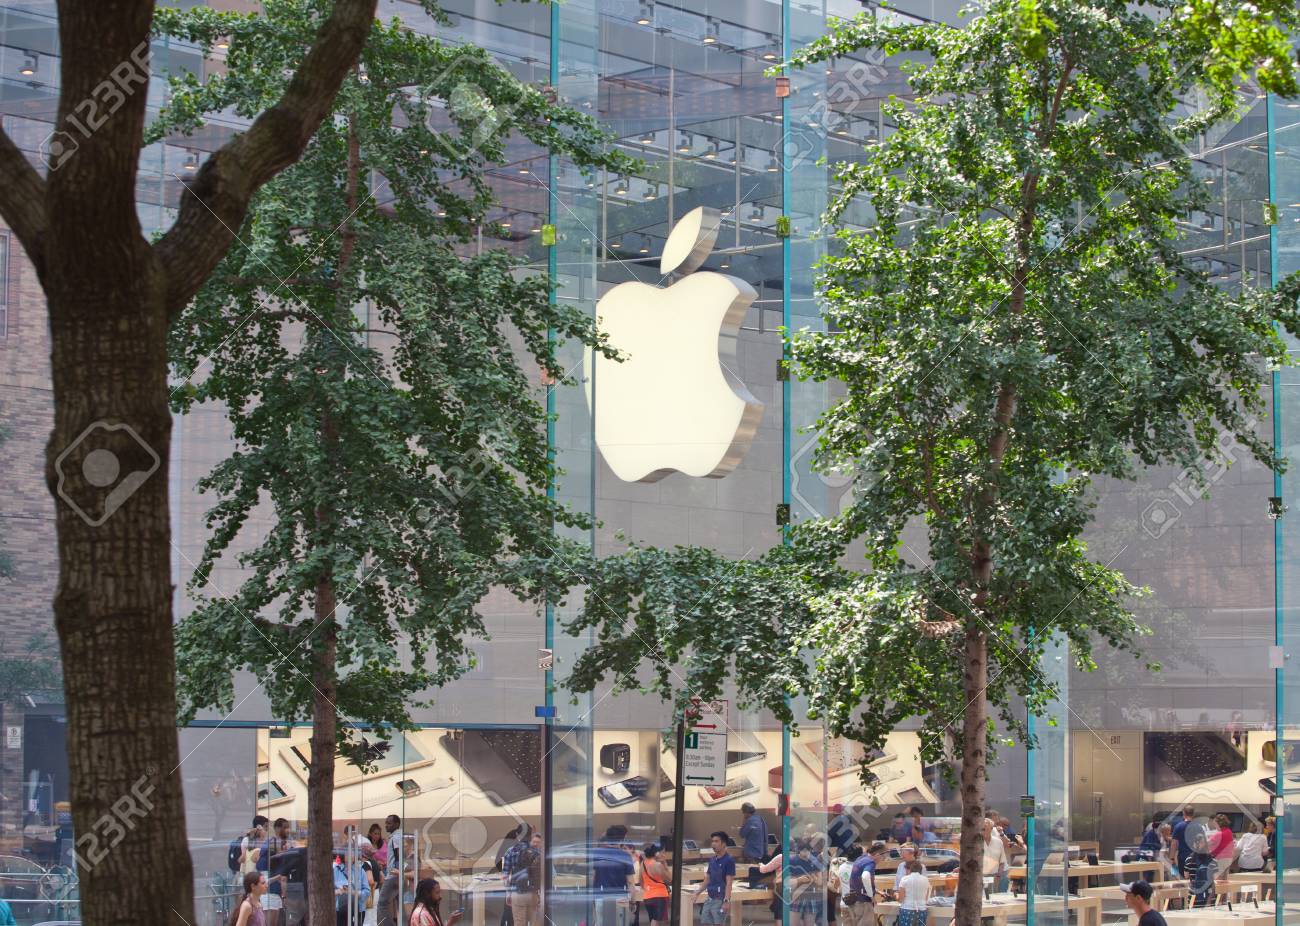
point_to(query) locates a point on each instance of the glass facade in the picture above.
(682, 86)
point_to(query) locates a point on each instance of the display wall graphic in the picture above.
(674, 403)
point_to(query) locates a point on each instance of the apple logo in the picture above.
(673, 403)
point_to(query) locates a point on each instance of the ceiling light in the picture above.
(651, 192)
(711, 153)
(645, 248)
(756, 214)
(191, 161)
(685, 143)
(441, 213)
(29, 64)
(770, 54)
(523, 168)
(710, 31)
(620, 188)
(772, 165)
(646, 14)
(505, 222)
(647, 137)
(615, 244)
(223, 44)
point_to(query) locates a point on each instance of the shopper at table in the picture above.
(858, 888)
(921, 831)
(996, 863)
(1151, 837)
(753, 834)
(913, 894)
(910, 860)
(1015, 843)
(1251, 847)
(1222, 845)
(1137, 896)
(807, 893)
(900, 831)
(1185, 835)
(1270, 833)
(348, 884)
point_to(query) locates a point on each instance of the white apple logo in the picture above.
(674, 404)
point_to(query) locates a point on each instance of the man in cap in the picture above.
(1137, 895)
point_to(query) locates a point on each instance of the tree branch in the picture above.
(216, 200)
(22, 201)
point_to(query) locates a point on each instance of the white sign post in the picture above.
(705, 755)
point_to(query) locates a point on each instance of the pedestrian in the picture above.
(276, 844)
(655, 878)
(428, 906)
(753, 835)
(1137, 896)
(390, 892)
(716, 896)
(526, 884)
(248, 912)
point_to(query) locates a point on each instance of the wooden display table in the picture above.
(1165, 892)
(1087, 873)
(1002, 907)
(740, 895)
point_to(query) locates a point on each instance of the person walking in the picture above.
(276, 844)
(248, 912)
(428, 906)
(655, 878)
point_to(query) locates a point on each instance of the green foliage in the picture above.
(1017, 322)
(389, 440)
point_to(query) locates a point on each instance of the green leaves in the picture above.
(1032, 29)
(378, 377)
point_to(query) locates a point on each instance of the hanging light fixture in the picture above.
(523, 169)
(620, 188)
(772, 165)
(646, 13)
(756, 214)
(645, 247)
(647, 137)
(506, 221)
(770, 54)
(651, 192)
(29, 65)
(685, 143)
(711, 152)
(191, 162)
(223, 43)
(710, 31)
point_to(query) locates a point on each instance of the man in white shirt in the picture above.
(995, 856)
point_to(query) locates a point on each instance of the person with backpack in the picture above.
(241, 856)
(526, 884)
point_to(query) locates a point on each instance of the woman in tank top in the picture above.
(654, 885)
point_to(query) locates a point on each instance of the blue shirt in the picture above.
(753, 836)
(720, 868)
(611, 869)
(865, 870)
(359, 883)
(1151, 840)
(1179, 834)
(6, 915)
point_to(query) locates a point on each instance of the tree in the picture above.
(1017, 322)
(111, 294)
(371, 367)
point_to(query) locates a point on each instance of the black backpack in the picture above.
(232, 854)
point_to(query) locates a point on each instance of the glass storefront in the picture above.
(682, 85)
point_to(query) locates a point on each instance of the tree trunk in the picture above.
(970, 878)
(320, 779)
(106, 464)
